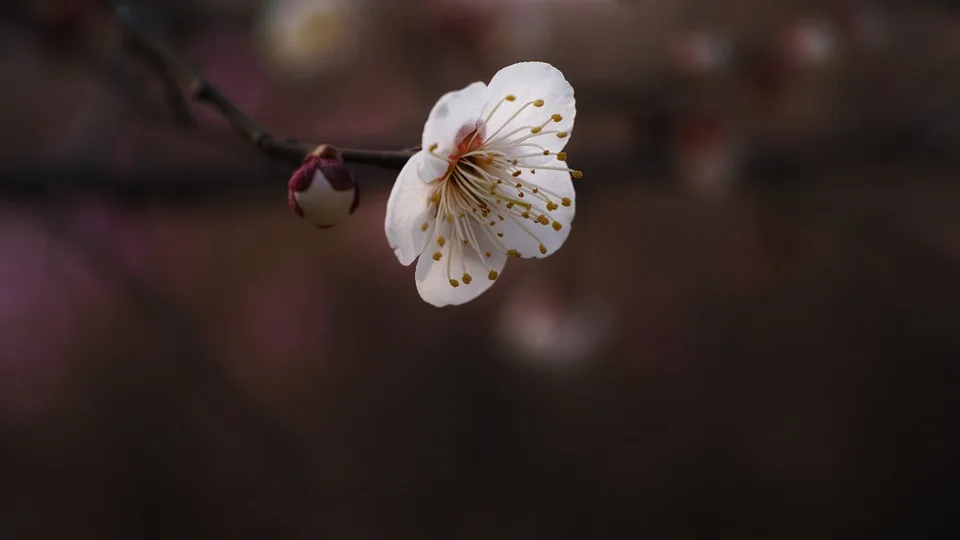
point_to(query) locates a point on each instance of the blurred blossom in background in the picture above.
(311, 38)
(752, 329)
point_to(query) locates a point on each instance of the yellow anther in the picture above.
(500, 234)
(449, 218)
(493, 275)
(514, 162)
(551, 206)
(520, 194)
(516, 174)
(546, 152)
(557, 226)
(454, 283)
(492, 223)
(510, 204)
(543, 220)
(576, 174)
(535, 190)
(433, 147)
(425, 226)
(441, 241)
(562, 135)
(499, 216)
(511, 97)
(467, 278)
(538, 103)
(437, 255)
(513, 253)
(536, 130)
(466, 242)
(565, 201)
(543, 249)
(435, 198)
(499, 181)
(562, 156)
(525, 215)
(556, 118)
(519, 186)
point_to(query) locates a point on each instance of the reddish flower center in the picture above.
(470, 142)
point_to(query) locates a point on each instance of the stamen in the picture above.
(526, 230)
(477, 180)
(513, 116)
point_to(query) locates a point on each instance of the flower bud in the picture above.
(323, 191)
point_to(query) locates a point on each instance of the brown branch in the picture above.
(176, 74)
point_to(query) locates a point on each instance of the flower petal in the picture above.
(528, 237)
(528, 82)
(408, 210)
(453, 112)
(457, 262)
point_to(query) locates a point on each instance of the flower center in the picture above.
(488, 190)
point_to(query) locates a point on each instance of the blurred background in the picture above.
(753, 329)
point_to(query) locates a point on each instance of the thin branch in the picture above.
(177, 74)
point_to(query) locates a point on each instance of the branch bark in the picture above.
(177, 74)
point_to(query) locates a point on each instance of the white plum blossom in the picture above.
(491, 182)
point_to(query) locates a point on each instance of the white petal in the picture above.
(454, 116)
(433, 277)
(408, 209)
(527, 82)
(517, 231)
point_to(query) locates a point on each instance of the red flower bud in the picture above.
(322, 190)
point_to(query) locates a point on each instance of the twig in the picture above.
(177, 74)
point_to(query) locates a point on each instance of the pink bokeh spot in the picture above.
(52, 301)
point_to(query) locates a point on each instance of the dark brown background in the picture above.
(772, 354)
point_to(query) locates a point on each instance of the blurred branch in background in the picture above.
(176, 73)
(715, 105)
